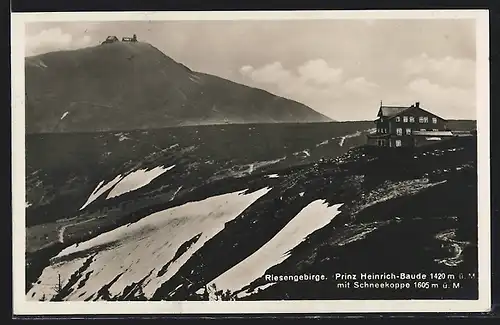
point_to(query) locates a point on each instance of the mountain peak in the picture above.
(133, 85)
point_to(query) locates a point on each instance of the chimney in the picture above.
(417, 104)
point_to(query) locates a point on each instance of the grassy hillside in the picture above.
(125, 86)
(62, 169)
(300, 163)
(402, 210)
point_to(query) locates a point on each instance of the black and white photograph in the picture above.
(263, 162)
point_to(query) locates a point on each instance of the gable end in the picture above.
(414, 109)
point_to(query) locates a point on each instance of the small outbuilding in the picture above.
(110, 39)
(130, 39)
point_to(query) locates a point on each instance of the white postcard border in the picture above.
(21, 306)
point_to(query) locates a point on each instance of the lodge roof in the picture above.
(392, 111)
(388, 111)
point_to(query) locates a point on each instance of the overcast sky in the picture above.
(341, 68)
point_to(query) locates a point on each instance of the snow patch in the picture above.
(273, 176)
(47, 289)
(194, 78)
(454, 246)
(64, 115)
(63, 228)
(209, 230)
(356, 237)
(175, 193)
(140, 250)
(322, 143)
(136, 180)
(256, 290)
(314, 216)
(244, 170)
(304, 153)
(352, 135)
(100, 189)
(38, 63)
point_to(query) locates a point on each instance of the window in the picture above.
(408, 131)
(426, 119)
(434, 120)
(399, 131)
(412, 119)
(423, 130)
(398, 119)
(435, 130)
(405, 119)
(421, 119)
(398, 143)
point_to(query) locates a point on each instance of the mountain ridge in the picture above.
(124, 86)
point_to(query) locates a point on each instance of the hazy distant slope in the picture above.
(134, 85)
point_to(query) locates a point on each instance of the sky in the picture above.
(340, 68)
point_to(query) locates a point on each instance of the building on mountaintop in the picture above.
(130, 39)
(408, 126)
(114, 39)
(110, 39)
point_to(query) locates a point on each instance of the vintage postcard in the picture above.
(250, 162)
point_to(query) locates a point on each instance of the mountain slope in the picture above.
(369, 210)
(125, 86)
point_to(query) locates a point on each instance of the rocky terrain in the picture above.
(201, 213)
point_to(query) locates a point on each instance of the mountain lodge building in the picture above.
(114, 39)
(130, 39)
(110, 39)
(400, 126)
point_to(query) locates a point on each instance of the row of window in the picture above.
(411, 119)
(382, 143)
(399, 131)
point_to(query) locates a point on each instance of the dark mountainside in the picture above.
(404, 210)
(126, 86)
